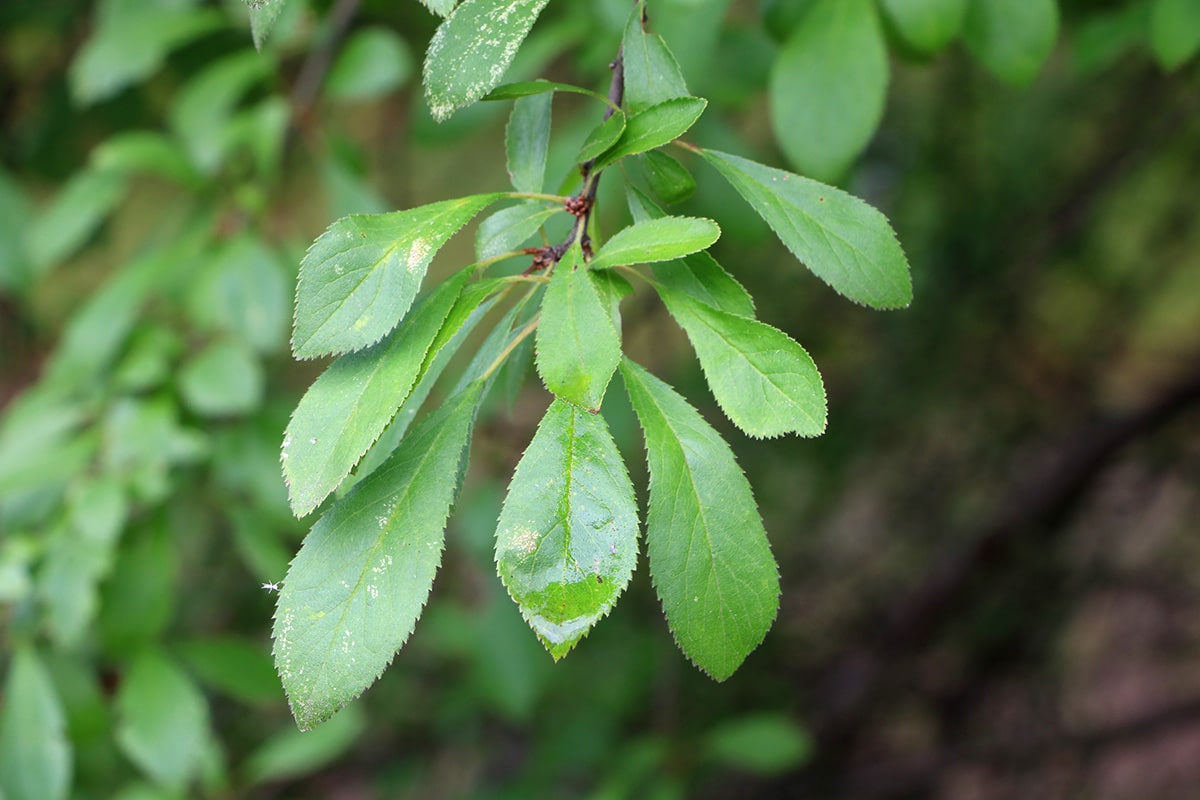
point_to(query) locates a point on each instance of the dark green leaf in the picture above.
(926, 25)
(375, 61)
(763, 381)
(293, 754)
(709, 556)
(566, 542)
(762, 744)
(349, 405)
(356, 588)
(828, 87)
(651, 73)
(668, 179)
(203, 110)
(509, 228)
(163, 720)
(263, 14)
(240, 668)
(511, 91)
(1174, 31)
(224, 379)
(654, 127)
(35, 755)
(1013, 40)
(577, 347)
(602, 137)
(472, 49)
(663, 239)
(360, 277)
(527, 140)
(842, 240)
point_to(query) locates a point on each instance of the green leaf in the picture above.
(293, 754)
(842, 240)
(263, 14)
(527, 140)
(360, 277)
(243, 290)
(35, 755)
(15, 213)
(472, 49)
(240, 668)
(163, 720)
(348, 406)
(663, 239)
(668, 179)
(652, 74)
(654, 127)
(709, 556)
(828, 87)
(145, 152)
(1174, 31)
(761, 744)
(203, 110)
(511, 91)
(74, 215)
(440, 7)
(509, 228)
(698, 275)
(354, 591)
(375, 61)
(566, 542)
(602, 137)
(764, 382)
(224, 379)
(926, 25)
(1012, 40)
(577, 347)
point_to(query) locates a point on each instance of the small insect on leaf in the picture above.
(271, 587)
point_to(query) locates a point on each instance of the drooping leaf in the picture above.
(926, 25)
(35, 754)
(566, 542)
(263, 14)
(842, 240)
(356, 588)
(1012, 40)
(668, 179)
(698, 275)
(360, 277)
(374, 61)
(709, 556)
(163, 720)
(654, 127)
(663, 239)
(763, 381)
(527, 141)
(1174, 31)
(348, 406)
(652, 74)
(577, 347)
(602, 137)
(510, 227)
(471, 50)
(828, 86)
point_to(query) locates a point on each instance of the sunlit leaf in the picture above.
(566, 542)
(360, 277)
(356, 588)
(708, 552)
(842, 240)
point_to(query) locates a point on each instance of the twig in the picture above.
(317, 64)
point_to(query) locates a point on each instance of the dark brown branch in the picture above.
(316, 66)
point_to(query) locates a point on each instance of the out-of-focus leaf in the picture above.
(828, 87)
(577, 347)
(471, 51)
(356, 588)
(527, 140)
(347, 408)
(293, 754)
(222, 380)
(240, 668)
(375, 61)
(201, 111)
(145, 152)
(761, 744)
(74, 215)
(651, 73)
(35, 755)
(1012, 40)
(509, 228)
(663, 239)
(244, 291)
(139, 598)
(41, 443)
(709, 556)
(566, 542)
(1174, 31)
(360, 277)
(1101, 38)
(926, 25)
(15, 213)
(654, 127)
(842, 240)
(163, 720)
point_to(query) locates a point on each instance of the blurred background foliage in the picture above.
(990, 562)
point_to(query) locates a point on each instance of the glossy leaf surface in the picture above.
(566, 542)
(360, 277)
(662, 239)
(471, 51)
(602, 137)
(348, 406)
(354, 591)
(709, 556)
(654, 127)
(841, 239)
